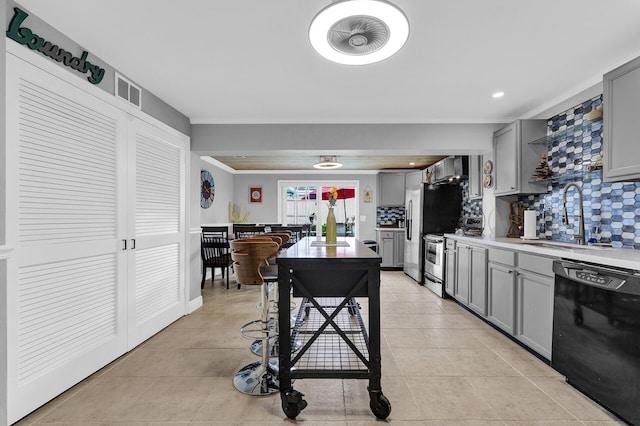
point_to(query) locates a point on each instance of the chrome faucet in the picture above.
(579, 237)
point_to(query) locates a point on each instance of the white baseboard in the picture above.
(195, 304)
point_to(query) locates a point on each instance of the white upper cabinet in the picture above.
(621, 111)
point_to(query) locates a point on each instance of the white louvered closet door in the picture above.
(156, 229)
(66, 219)
(96, 223)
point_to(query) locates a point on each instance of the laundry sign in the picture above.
(26, 37)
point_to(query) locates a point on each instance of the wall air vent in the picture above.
(128, 91)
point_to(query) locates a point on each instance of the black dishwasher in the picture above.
(596, 334)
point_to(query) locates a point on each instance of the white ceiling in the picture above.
(250, 61)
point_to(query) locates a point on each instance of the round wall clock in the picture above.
(207, 189)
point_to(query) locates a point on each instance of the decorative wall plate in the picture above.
(487, 181)
(255, 195)
(488, 167)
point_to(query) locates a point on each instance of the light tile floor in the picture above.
(441, 366)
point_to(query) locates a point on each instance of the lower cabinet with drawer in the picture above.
(534, 307)
(502, 292)
(391, 248)
(501, 289)
(519, 291)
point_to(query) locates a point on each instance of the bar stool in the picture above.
(274, 347)
(260, 377)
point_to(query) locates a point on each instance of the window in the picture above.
(307, 202)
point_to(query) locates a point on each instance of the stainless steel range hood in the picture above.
(451, 168)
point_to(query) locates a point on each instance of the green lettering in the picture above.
(21, 35)
(36, 42)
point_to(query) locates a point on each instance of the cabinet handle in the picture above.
(510, 272)
(124, 246)
(133, 244)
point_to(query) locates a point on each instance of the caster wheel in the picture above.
(380, 406)
(292, 403)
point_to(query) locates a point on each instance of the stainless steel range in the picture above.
(434, 263)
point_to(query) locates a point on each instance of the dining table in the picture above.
(329, 278)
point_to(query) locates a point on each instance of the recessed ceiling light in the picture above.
(497, 95)
(412, 163)
(358, 32)
(328, 162)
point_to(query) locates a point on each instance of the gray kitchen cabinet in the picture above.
(398, 252)
(534, 306)
(501, 298)
(511, 289)
(414, 178)
(515, 158)
(621, 152)
(391, 248)
(450, 267)
(501, 289)
(475, 177)
(478, 280)
(391, 188)
(463, 271)
(471, 276)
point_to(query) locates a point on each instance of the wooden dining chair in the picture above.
(216, 231)
(296, 233)
(214, 252)
(243, 230)
(249, 260)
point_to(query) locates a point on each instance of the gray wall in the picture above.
(151, 104)
(372, 139)
(218, 213)
(3, 210)
(267, 211)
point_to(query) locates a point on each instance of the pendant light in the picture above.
(358, 32)
(328, 162)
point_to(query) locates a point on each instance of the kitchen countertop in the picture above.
(391, 229)
(616, 257)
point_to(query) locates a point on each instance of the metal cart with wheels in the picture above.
(335, 341)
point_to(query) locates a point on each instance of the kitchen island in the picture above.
(335, 341)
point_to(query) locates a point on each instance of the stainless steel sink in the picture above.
(561, 245)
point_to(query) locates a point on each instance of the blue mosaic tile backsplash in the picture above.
(390, 215)
(470, 207)
(611, 210)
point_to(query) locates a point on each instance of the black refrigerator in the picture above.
(430, 209)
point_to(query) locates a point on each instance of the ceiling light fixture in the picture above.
(497, 95)
(358, 32)
(328, 162)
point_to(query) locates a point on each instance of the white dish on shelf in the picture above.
(529, 238)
